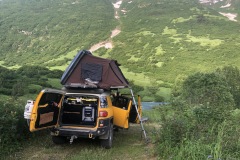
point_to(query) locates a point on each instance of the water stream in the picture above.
(150, 105)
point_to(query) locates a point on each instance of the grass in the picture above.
(164, 92)
(55, 83)
(3, 97)
(127, 144)
(69, 55)
(204, 41)
(159, 50)
(130, 145)
(146, 33)
(139, 78)
(181, 19)
(9, 67)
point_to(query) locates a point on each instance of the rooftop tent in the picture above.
(88, 71)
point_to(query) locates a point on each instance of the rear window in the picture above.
(48, 97)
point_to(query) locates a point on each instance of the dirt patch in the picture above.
(115, 32)
(108, 43)
(117, 5)
(230, 16)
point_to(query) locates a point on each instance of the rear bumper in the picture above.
(82, 132)
(85, 133)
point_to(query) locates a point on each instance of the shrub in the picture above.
(231, 75)
(13, 128)
(203, 123)
(175, 130)
(207, 89)
(209, 93)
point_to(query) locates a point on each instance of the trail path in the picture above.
(108, 43)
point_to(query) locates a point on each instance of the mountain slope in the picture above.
(159, 39)
(167, 38)
(32, 31)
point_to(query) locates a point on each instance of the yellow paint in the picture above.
(121, 116)
(34, 113)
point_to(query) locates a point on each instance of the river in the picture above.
(150, 105)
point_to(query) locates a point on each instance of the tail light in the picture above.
(103, 114)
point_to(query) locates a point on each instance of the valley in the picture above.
(183, 52)
(145, 38)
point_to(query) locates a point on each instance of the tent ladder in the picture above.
(141, 123)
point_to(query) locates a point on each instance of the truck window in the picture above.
(121, 102)
(48, 97)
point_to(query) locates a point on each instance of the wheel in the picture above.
(107, 143)
(115, 129)
(59, 139)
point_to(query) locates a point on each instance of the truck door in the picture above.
(121, 109)
(46, 109)
(133, 117)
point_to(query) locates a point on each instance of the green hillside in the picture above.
(183, 52)
(226, 6)
(34, 32)
(159, 40)
(168, 38)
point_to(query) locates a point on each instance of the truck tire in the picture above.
(59, 139)
(107, 143)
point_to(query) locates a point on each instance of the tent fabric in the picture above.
(88, 71)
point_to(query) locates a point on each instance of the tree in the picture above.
(209, 94)
(177, 88)
(231, 75)
(18, 89)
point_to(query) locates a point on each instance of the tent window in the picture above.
(92, 71)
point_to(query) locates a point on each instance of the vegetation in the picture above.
(27, 80)
(166, 48)
(202, 122)
(158, 40)
(39, 31)
(16, 87)
(13, 128)
(166, 42)
(156, 37)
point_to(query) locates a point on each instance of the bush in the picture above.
(203, 123)
(209, 95)
(55, 74)
(231, 75)
(175, 130)
(186, 135)
(13, 128)
(207, 89)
